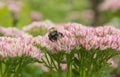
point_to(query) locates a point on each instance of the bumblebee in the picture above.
(54, 35)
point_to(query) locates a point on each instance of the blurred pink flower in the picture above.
(74, 15)
(47, 24)
(114, 64)
(13, 32)
(113, 5)
(14, 6)
(36, 16)
(64, 66)
(87, 15)
(2, 4)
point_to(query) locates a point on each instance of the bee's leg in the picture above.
(60, 34)
(51, 39)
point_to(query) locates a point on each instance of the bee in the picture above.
(54, 35)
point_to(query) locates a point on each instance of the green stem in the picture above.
(70, 71)
(50, 64)
(59, 70)
(47, 59)
(17, 70)
(54, 63)
(69, 67)
(6, 73)
(0, 69)
(52, 72)
(80, 59)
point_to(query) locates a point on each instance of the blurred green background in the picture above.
(58, 11)
(86, 12)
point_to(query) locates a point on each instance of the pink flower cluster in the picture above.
(113, 5)
(77, 35)
(14, 6)
(13, 32)
(13, 47)
(47, 24)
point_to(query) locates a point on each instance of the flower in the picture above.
(12, 47)
(76, 35)
(13, 32)
(2, 4)
(14, 6)
(92, 46)
(47, 24)
(36, 16)
(114, 64)
(113, 5)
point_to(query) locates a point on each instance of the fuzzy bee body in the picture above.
(54, 35)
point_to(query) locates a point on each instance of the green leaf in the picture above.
(76, 61)
(59, 57)
(25, 17)
(1, 34)
(76, 73)
(5, 17)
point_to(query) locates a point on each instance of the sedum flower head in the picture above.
(47, 24)
(13, 32)
(77, 35)
(13, 47)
